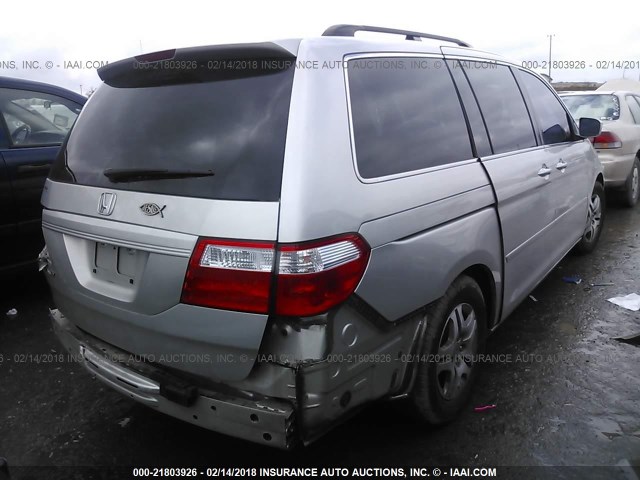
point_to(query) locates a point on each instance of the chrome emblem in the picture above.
(107, 203)
(152, 209)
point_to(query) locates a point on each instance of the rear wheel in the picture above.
(456, 330)
(595, 220)
(632, 190)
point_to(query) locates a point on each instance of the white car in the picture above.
(618, 145)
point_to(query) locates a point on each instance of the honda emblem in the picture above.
(107, 203)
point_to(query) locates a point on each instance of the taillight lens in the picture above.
(230, 275)
(607, 140)
(315, 276)
(310, 277)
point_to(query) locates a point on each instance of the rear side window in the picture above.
(406, 115)
(550, 114)
(233, 126)
(634, 107)
(502, 105)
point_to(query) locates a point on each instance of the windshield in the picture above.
(600, 107)
(231, 128)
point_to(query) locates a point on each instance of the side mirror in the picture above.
(589, 127)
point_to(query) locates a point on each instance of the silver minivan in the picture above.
(261, 238)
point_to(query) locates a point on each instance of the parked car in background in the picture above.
(306, 240)
(34, 121)
(618, 145)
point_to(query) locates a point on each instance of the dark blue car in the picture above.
(34, 121)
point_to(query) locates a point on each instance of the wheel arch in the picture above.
(482, 275)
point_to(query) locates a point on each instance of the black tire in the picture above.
(4, 469)
(632, 187)
(431, 400)
(595, 221)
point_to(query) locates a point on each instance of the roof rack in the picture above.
(350, 30)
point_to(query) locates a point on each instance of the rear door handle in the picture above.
(544, 172)
(42, 168)
(561, 165)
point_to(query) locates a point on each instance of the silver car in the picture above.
(261, 238)
(618, 145)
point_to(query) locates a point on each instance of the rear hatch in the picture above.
(175, 147)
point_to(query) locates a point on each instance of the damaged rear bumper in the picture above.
(307, 378)
(266, 421)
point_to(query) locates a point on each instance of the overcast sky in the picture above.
(81, 31)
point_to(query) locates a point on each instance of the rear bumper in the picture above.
(266, 421)
(616, 167)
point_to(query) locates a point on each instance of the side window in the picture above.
(634, 107)
(480, 136)
(637, 99)
(551, 115)
(406, 115)
(34, 118)
(502, 105)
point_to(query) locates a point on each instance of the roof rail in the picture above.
(350, 30)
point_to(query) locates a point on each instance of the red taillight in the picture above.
(315, 276)
(607, 140)
(230, 275)
(310, 277)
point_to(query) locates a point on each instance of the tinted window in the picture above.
(601, 107)
(406, 116)
(36, 119)
(502, 105)
(634, 107)
(550, 114)
(480, 137)
(234, 127)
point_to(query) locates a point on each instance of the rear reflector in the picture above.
(607, 140)
(310, 278)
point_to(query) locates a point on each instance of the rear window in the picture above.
(601, 107)
(233, 126)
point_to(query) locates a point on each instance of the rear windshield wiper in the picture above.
(140, 174)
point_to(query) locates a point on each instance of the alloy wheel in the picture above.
(634, 183)
(458, 344)
(594, 217)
